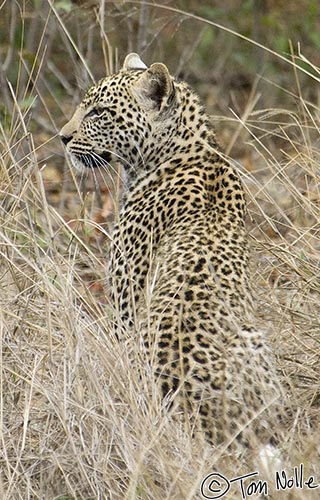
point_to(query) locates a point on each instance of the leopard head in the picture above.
(123, 117)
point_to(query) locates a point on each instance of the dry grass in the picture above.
(75, 421)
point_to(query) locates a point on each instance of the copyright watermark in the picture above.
(215, 485)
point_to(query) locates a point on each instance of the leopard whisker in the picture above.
(109, 169)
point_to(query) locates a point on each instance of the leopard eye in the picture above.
(94, 113)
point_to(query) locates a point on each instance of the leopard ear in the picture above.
(133, 61)
(156, 85)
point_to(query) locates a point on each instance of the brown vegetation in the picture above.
(75, 422)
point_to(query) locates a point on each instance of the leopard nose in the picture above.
(65, 139)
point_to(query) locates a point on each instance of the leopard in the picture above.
(179, 256)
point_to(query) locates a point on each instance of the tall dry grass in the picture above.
(76, 422)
